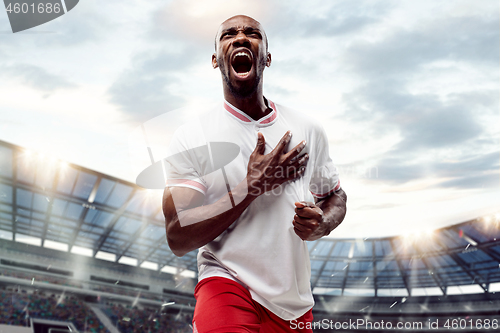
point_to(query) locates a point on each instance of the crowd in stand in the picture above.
(17, 307)
(12, 311)
(134, 320)
(73, 283)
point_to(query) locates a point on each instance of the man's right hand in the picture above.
(266, 172)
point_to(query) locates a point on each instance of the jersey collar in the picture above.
(243, 117)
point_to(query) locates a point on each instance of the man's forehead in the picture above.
(240, 22)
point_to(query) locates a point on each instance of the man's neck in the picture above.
(254, 106)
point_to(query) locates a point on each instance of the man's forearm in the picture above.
(196, 229)
(334, 210)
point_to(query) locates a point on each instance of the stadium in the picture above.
(92, 92)
(81, 251)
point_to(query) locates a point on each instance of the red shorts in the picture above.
(223, 305)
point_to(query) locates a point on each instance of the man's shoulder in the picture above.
(203, 112)
(196, 120)
(302, 117)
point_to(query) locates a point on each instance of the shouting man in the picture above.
(248, 216)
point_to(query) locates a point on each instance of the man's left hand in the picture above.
(308, 221)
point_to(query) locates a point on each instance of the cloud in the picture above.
(470, 39)
(293, 67)
(489, 181)
(37, 77)
(424, 121)
(320, 19)
(470, 166)
(398, 170)
(147, 89)
(278, 91)
(483, 168)
(433, 125)
(142, 97)
(435, 120)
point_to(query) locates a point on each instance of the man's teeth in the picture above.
(239, 54)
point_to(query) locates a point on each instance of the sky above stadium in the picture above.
(408, 92)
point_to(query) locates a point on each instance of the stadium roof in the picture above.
(50, 203)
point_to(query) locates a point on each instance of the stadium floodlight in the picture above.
(105, 256)
(128, 261)
(82, 251)
(52, 159)
(407, 235)
(188, 273)
(169, 269)
(63, 166)
(149, 265)
(28, 153)
(55, 245)
(419, 234)
(20, 238)
(179, 271)
(6, 234)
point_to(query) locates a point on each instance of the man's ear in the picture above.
(268, 59)
(214, 61)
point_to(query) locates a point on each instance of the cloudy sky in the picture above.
(408, 92)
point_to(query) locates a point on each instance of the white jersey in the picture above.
(260, 249)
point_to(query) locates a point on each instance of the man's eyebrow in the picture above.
(250, 29)
(245, 30)
(225, 31)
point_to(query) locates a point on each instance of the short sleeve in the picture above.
(325, 177)
(182, 166)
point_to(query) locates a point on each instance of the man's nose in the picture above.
(241, 39)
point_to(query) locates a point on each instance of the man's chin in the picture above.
(242, 89)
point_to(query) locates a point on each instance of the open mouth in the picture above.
(242, 63)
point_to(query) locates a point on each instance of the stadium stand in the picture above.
(18, 307)
(101, 240)
(131, 320)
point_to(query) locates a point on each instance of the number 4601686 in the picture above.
(31, 8)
